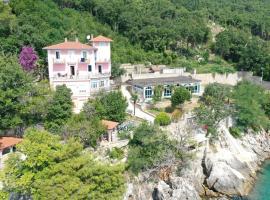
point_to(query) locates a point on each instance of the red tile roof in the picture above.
(69, 45)
(101, 38)
(109, 124)
(6, 142)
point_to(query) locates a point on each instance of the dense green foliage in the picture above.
(247, 103)
(57, 170)
(39, 98)
(162, 119)
(214, 107)
(110, 106)
(249, 100)
(250, 54)
(148, 148)
(179, 96)
(87, 130)
(116, 153)
(165, 32)
(59, 109)
(14, 88)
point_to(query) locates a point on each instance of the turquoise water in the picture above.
(261, 190)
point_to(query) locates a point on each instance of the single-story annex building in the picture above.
(111, 127)
(145, 87)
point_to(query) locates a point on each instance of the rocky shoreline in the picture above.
(220, 171)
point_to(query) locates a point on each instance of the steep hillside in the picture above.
(172, 32)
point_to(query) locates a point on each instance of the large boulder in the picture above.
(194, 172)
(227, 180)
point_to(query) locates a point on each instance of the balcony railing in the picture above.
(66, 76)
(83, 60)
(59, 61)
(70, 60)
(100, 75)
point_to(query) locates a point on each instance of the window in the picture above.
(103, 44)
(100, 69)
(57, 55)
(84, 54)
(101, 84)
(148, 93)
(89, 68)
(94, 84)
(167, 92)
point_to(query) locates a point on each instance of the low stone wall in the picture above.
(230, 79)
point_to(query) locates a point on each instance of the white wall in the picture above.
(78, 88)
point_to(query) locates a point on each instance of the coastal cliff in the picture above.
(220, 170)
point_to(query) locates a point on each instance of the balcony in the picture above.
(69, 77)
(83, 60)
(59, 61)
(100, 75)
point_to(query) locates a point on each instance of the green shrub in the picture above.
(123, 134)
(116, 153)
(179, 96)
(235, 131)
(163, 119)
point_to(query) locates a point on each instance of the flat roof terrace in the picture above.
(163, 81)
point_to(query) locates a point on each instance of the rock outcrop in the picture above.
(219, 171)
(180, 188)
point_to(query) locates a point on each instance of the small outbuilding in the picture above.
(111, 129)
(8, 144)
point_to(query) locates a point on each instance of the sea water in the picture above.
(261, 190)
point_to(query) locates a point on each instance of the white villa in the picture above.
(84, 68)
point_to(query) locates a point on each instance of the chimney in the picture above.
(65, 39)
(92, 36)
(76, 39)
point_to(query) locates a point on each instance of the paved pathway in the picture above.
(138, 112)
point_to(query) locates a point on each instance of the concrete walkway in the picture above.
(138, 112)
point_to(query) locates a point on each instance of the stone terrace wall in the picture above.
(230, 79)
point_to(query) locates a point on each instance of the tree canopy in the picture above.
(59, 109)
(110, 106)
(14, 88)
(47, 168)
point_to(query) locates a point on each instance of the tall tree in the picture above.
(214, 107)
(87, 130)
(59, 109)
(110, 106)
(14, 88)
(134, 98)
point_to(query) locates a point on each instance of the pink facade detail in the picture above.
(59, 67)
(105, 67)
(82, 66)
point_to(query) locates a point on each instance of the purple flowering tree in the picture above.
(28, 58)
